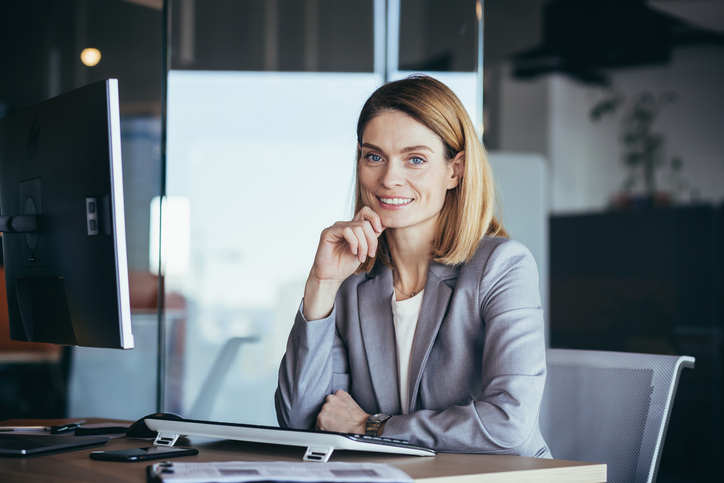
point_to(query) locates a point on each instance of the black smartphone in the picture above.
(143, 454)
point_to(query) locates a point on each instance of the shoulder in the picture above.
(506, 274)
(502, 266)
(497, 254)
(494, 255)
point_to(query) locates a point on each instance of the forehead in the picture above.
(395, 130)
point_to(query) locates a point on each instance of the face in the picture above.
(403, 173)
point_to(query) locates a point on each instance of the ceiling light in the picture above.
(90, 57)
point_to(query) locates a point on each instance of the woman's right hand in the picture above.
(342, 248)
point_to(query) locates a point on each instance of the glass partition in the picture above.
(263, 99)
(40, 58)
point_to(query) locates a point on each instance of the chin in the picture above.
(390, 222)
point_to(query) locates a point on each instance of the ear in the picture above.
(458, 168)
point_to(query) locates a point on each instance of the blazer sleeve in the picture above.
(503, 419)
(314, 366)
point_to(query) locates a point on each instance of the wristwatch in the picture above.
(374, 422)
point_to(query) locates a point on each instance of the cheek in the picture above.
(364, 180)
(436, 196)
(365, 176)
(435, 185)
(440, 199)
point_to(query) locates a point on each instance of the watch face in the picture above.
(374, 422)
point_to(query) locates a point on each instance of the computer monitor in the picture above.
(61, 214)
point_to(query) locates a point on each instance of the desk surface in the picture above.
(458, 468)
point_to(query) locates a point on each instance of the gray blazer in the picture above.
(477, 369)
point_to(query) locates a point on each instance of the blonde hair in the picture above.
(469, 210)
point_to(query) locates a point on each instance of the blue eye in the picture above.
(417, 161)
(374, 157)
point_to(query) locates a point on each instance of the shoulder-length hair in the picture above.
(468, 213)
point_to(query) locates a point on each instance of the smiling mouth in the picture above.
(395, 201)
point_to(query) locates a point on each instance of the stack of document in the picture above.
(242, 471)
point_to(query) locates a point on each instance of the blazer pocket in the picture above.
(542, 453)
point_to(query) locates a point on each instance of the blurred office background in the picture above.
(576, 100)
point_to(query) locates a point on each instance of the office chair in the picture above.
(610, 407)
(204, 404)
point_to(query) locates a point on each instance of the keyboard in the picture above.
(319, 444)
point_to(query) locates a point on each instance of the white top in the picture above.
(405, 314)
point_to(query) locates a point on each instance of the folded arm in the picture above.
(314, 366)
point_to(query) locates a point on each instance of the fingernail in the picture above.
(373, 252)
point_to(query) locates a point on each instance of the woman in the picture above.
(420, 320)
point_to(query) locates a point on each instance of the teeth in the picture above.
(395, 201)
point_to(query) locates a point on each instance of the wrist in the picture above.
(362, 425)
(319, 298)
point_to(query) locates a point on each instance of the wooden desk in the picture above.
(454, 468)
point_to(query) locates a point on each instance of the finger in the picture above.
(368, 214)
(363, 249)
(371, 238)
(345, 399)
(342, 396)
(351, 239)
(367, 238)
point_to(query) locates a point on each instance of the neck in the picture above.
(410, 252)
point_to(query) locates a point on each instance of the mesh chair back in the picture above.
(610, 407)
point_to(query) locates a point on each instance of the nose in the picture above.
(392, 175)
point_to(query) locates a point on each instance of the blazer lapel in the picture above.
(435, 302)
(374, 299)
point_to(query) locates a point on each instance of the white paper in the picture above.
(242, 471)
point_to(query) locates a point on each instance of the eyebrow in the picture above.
(404, 150)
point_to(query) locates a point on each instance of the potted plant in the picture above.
(643, 149)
